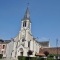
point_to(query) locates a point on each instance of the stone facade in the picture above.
(24, 41)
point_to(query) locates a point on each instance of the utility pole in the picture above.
(57, 47)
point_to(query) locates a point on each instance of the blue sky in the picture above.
(45, 17)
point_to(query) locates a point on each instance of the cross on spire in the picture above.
(28, 4)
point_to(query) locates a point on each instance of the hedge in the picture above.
(34, 58)
(26, 58)
(52, 59)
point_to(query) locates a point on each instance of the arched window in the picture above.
(24, 24)
(3, 46)
(23, 40)
(28, 43)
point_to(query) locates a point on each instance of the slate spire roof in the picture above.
(27, 14)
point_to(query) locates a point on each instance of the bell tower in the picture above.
(26, 23)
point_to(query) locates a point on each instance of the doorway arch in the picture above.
(21, 51)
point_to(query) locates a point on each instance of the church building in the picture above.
(24, 43)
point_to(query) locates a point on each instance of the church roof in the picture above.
(44, 43)
(1, 40)
(4, 41)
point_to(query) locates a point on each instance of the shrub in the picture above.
(1, 55)
(30, 52)
(46, 53)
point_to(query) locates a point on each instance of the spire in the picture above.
(27, 14)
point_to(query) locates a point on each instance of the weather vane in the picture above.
(28, 4)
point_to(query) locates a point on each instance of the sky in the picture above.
(44, 14)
